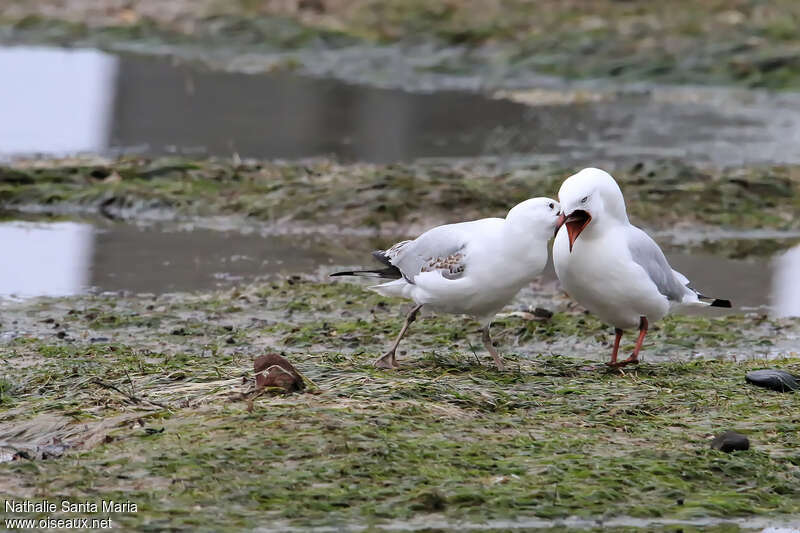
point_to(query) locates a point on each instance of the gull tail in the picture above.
(695, 298)
(713, 302)
(390, 272)
(383, 273)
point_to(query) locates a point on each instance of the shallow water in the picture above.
(64, 258)
(61, 101)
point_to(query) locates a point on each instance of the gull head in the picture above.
(538, 214)
(591, 196)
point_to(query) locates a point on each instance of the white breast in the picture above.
(600, 275)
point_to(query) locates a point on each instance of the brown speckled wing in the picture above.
(451, 266)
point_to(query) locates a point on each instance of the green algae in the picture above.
(389, 197)
(446, 436)
(752, 44)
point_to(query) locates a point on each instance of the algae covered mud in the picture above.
(434, 45)
(219, 187)
(145, 398)
(147, 394)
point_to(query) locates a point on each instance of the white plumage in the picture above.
(473, 268)
(611, 267)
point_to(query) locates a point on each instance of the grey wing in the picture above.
(649, 256)
(440, 249)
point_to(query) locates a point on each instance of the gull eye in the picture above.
(584, 199)
(551, 205)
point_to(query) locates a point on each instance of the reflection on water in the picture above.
(56, 101)
(65, 258)
(786, 283)
(68, 258)
(45, 259)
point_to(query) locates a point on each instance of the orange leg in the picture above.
(634, 358)
(617, 339)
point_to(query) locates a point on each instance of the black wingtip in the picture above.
(381, 256)
(721, 303)
(351, 273)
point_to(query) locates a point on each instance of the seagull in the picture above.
(471, 268)
(611, 267)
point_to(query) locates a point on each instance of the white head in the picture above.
(538, 215)
(590, 198)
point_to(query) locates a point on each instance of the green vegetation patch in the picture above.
(752, 43)
(388, 197)
(164, 420)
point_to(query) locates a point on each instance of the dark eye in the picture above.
(583, 200)
(551, 205)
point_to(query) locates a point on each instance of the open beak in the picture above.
(575, 222)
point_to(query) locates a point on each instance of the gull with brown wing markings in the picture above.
(472, 268)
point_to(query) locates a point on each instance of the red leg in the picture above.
(617, 339)
(634, 358)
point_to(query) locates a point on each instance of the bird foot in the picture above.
(387, 360)
(625, 362)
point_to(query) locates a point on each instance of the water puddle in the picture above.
(62, 101)
(66, 258)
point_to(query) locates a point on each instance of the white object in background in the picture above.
(45, 259)
(786, 283)
(55, 101)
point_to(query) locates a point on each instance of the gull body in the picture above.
(473, 268)
(611, 267)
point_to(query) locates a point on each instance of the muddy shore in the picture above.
(500, 44)
(149, 397)
(143, 392)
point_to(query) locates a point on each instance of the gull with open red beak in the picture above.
(610, 266)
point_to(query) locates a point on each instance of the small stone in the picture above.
(61, 334)
(730, 441)
(776, 380)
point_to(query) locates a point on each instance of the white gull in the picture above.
(471, 268)
(614, 269)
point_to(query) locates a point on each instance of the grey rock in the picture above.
(730, 441)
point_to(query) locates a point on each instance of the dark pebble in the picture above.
(98, 339)
(61, 334)
(730, 441)
(777, 380)
(542, 313)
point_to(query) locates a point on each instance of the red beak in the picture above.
(559, 223)
(576, 222)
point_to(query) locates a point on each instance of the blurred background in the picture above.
(510, 85)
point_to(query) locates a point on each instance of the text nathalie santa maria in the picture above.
(66, 506)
